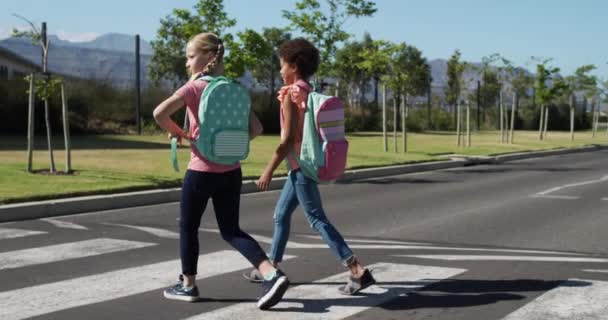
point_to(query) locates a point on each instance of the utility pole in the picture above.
(137, 87)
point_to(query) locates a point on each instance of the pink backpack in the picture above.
(324, 145)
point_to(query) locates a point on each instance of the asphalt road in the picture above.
(521, 240)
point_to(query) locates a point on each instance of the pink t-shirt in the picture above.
(299, 95)
(191, 93)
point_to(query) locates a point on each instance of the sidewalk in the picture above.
(59, 207)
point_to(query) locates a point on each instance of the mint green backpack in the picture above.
(223, 115)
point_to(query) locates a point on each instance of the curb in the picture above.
(60, 207)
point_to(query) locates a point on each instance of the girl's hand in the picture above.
(179, 137)
(264, 181)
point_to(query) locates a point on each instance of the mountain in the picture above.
(108, 58)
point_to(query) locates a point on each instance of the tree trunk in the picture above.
(428, 109)
(48, 135)
(66, 131)
(458, 123)
(501, 117)
(572, 108)
(513, 115)
(541, 121)
(30, 124)
(395, 112)
(404, 121)
(468, 124)
(384, 118)
(546, 122)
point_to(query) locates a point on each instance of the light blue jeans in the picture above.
(299, 189)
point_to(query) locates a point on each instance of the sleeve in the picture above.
(299, 96)
(188, 93)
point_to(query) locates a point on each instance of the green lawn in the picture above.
(110, 163)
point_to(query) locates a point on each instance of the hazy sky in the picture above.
(572, 32)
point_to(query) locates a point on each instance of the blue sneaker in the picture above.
(179, 292)
(273, 290)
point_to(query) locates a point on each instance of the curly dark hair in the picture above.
(303, 54)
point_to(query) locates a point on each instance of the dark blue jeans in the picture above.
(224, 189)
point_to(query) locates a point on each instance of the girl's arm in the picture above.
(162, 115)
(286, 144)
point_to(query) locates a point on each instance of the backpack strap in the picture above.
(174, 154)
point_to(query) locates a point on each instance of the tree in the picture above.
(43, 88)
(324, 25)
(547, 87)
(414, 75)
(579, 81)
(452, 92)
(258, 53)
(176, 29)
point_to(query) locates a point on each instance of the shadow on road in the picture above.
(444, 294)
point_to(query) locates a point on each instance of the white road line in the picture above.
(571, 185)
(73, 250)
(604, 199)
(38, 300)
(370, 241)
(161, 233)
(548, 196)
(321, 299)
(595, 270)
(502, 258)
(6, 233)
(574, 299)
(298, 245)
(65, 224)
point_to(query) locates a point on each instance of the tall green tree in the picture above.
(547, 88)
(168, 61)
(323, 24)
(258, 53)
(44, 88)
(581, 80)
(455, 70)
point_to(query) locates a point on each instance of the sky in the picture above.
(570, 32)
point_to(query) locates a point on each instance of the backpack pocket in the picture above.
(335, 160)
(230, 144)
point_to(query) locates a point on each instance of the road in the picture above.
(520, 240)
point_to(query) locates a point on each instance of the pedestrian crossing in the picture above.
(314, 298)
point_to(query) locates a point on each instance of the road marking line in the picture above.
(65, 224)
(322, 300)
(6, 233)
(556, 197)
(66, 251)
(39, 300)
(371, 241)
(502, 258)
(577, 184)
(595, 270)
(161, 233)
(605, 199)
(298, 245)
(573, 299)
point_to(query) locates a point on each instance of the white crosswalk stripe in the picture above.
(326, 297)
(574, 299)
(65, 224)
(38, 300)
(8, 233)
(66, 251)
(503, 258)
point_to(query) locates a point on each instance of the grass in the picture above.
(112, 163)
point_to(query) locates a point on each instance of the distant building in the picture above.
(14, 66)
